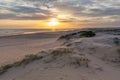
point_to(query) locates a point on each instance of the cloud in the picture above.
(13, 16)
(78, 10)
(24, 9)
(28, 9)
(23, 12)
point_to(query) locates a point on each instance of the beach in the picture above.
(91, 54)
(59, 40)
(15, 47)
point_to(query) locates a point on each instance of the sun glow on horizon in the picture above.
(53, 22)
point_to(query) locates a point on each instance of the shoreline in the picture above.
(15, 47)
(17, 32)
(89, 56)
(28, 34)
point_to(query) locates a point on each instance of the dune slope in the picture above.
(86, 58)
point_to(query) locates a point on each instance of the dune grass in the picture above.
(30, 58)
(60, 52)
(80, 60)
(25, 61)
(4, 68)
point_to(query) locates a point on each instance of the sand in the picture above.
(100, 50)
(14, 48)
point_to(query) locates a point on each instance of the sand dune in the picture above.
(87, 58)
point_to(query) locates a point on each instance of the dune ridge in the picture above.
(75, 58)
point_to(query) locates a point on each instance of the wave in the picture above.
(10, 32)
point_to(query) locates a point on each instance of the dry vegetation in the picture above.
(78, 35)
(80, 60)
(55, 54)
(25, 61)
(117, 43)
(30, 58)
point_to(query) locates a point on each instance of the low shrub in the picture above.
(87, 34)
(78, 35)
(116, 41)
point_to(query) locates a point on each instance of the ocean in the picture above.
(9, 32)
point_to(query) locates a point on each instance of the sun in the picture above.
(53, 22)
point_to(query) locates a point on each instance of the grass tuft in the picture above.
(25, 61)
(4, 68)
(59, 52)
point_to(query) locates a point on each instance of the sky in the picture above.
(69, 13)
